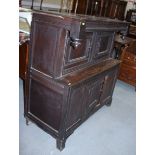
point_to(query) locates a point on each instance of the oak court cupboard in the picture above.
(70, 72)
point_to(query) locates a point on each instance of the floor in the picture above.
(110, 131)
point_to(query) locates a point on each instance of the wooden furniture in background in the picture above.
(23, 64)
(97, 7)
(24, 37)
(23, 60)
(23, 54)
(70, 72)
(79, 6)
(116, 9)
(104, 8)
(120, 43)
(32, 4)
(132, 31)
(127, 71)
(66, 6)
(131, 17)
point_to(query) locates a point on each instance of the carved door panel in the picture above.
(103, 43)
(78, 50)
(83, 99)
(108, 86)
(93, 93)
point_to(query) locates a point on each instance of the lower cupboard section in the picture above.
(59, 107)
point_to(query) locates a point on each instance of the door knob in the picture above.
(75, 42)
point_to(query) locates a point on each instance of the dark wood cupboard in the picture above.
(70, 72)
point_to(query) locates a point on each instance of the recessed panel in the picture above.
(103, 44)
(45, 104)
(75, 56)
(44, 46)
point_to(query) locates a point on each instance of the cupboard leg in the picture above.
(27, 121)
(108, 103)
(61, 144)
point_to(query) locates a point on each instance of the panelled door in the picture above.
(78, 46)
(103, 43)
(108, 87)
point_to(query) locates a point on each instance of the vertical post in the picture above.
(77, 1)
(71, 6)
(20, 3)
(41, 4)
(64, 3)
(101, 9)
(105, 7)
(86, 11)
(96, 8)
(32, 4)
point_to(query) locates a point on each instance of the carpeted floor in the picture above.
(110, 131)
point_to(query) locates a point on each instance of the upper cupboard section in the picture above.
(61, 44)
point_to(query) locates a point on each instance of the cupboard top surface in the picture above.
(79, 17)
(85, 74)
